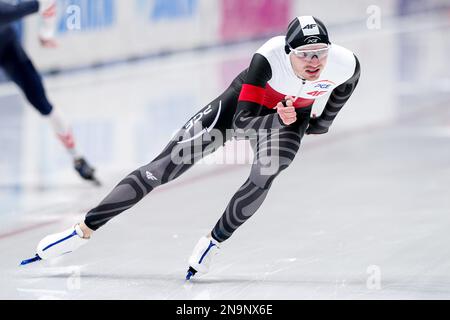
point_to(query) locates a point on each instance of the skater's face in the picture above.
(309, 61)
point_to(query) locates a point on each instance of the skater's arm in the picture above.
(10, 13)
(337, 100)
(252, 96)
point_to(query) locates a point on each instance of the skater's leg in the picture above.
(203, 134)
(21, 70)
(273, 153)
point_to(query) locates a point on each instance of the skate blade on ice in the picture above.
(201, 257)
(31, 260)
(85, 171)
(191, 272)
(58, 244)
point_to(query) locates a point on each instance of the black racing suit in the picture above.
(274, 143)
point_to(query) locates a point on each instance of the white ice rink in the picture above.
(363, 212)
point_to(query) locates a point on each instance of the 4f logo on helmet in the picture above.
(310, 26)
(312, 39)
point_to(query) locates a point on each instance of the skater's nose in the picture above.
(315, 62)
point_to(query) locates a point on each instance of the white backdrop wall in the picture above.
(99, 31)
(112, 106)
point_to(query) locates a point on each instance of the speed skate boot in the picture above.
(200, 260)
(58, 244)
(85, 170)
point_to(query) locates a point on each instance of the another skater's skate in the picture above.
(85, 170)
(18, 66)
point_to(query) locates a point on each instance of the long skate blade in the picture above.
(96, 182)
(191, 272)
(31, 260)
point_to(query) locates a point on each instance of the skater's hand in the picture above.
(314, 127)
(286, 110)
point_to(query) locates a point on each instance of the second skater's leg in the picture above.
(21, 70)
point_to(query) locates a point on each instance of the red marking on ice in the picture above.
(28, 228)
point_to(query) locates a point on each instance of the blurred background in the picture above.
(128, 73)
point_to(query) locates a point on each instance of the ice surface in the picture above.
(363, 212)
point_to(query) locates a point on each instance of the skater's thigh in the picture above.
(281, 143)
(202, 134)
(17, 65)
(216, 115)
(274, 152)
(208, 128)
(21, 70)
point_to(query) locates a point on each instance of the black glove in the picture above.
(315, 128)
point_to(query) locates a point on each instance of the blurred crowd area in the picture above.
(93, 33)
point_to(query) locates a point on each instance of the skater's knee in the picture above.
(264, 177)
(45, 111)
(263, 174)
(162, 170)
(151, 174)
(41, 105)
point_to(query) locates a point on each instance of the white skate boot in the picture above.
(200, 260)
(58, 244)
